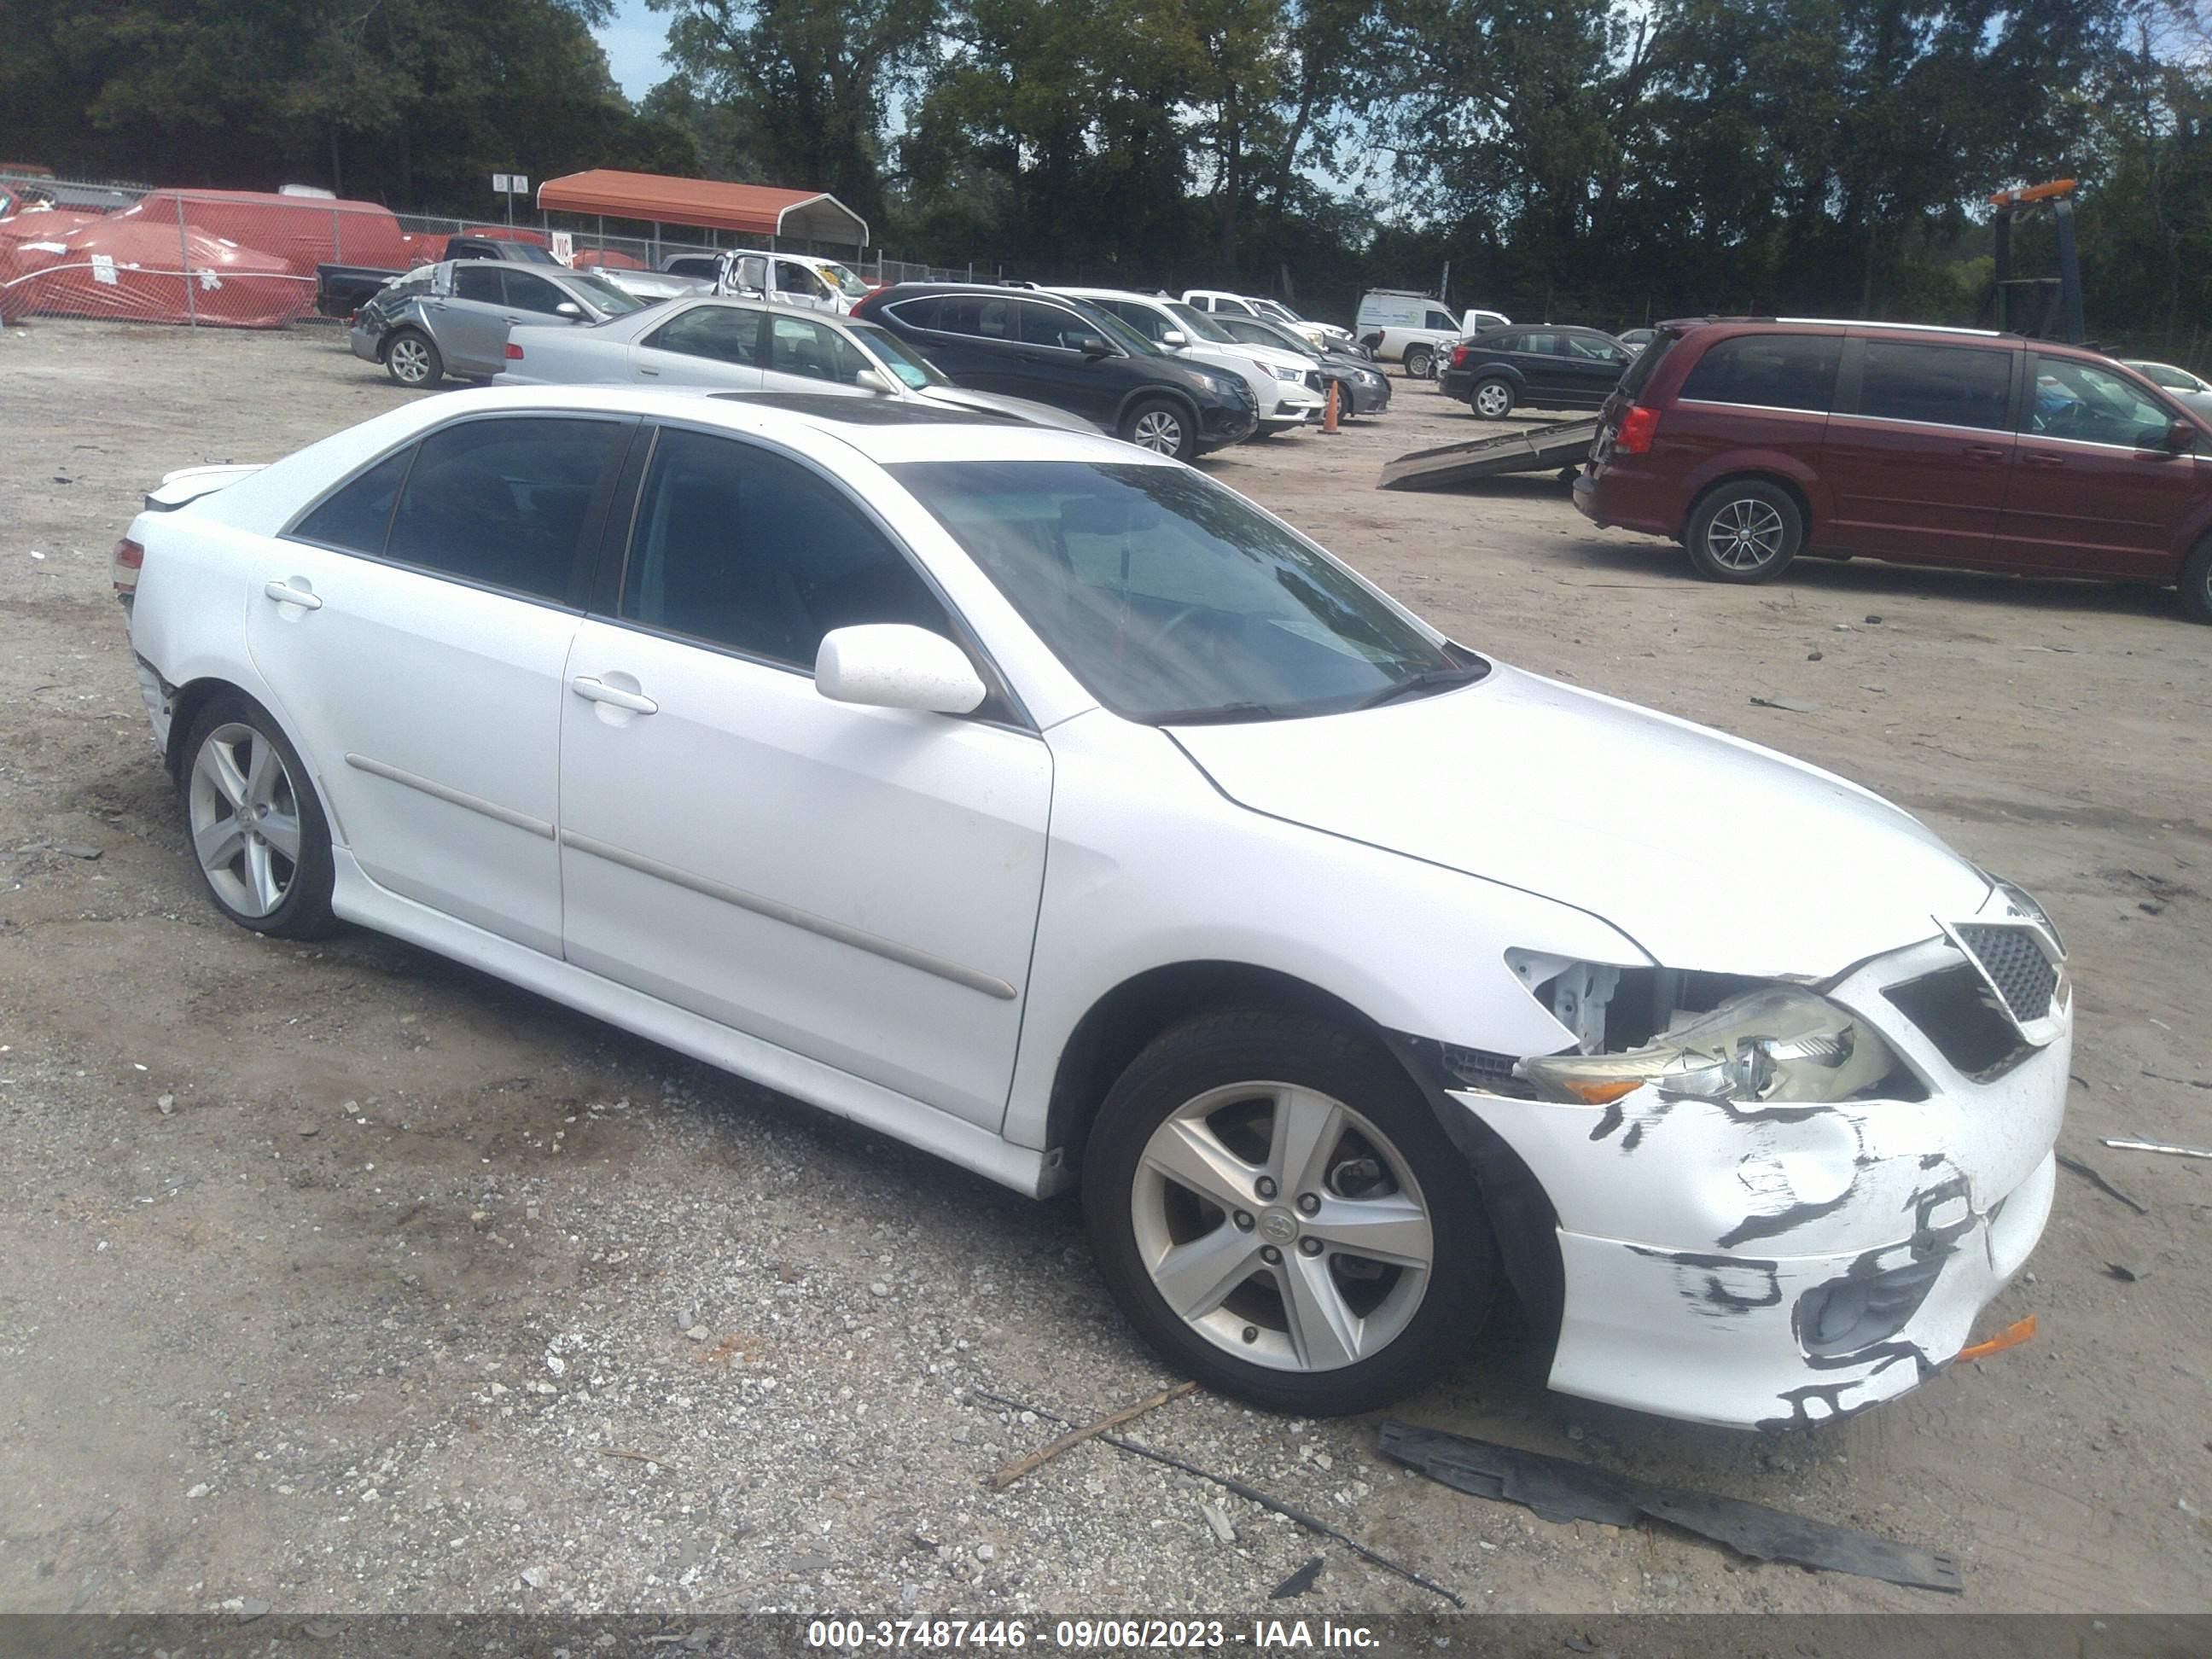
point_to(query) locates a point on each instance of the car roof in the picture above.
(918, 432)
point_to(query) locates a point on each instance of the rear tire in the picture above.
(2197, 582)
(258, 835)
(1162, 425)
(411, 358)
(1420, 362)
(1746, 530)
(1320, 1329)
(1491, 399)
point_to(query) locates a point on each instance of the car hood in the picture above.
(1710, 852)
(960, 397)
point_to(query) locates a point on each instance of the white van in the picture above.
(1286, 384)
(790, 279)
(1416, 331)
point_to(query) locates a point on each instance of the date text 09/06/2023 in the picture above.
(1081, 1635)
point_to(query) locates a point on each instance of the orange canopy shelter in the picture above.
(750, 210)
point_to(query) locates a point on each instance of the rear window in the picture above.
(1767, 371)
(1936, 384)
(1639, 372)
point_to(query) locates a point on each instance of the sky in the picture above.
(632, 43)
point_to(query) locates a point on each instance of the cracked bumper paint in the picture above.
(1693, 1232)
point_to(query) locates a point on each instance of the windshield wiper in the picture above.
(1427, 680)
(1218, 714)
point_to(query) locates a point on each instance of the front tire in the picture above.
(1491, 400)
(1744, 532)
(1162, 425)
(257, 832)
(412, 360)
(1279, 1213)
(2197, 582)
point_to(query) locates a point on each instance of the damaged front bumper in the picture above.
(1771, 1266)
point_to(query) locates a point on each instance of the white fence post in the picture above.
(185, 267)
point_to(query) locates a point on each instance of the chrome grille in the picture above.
(2016, 965)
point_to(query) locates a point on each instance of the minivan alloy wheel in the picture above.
(245, 816)
(1746, 534)
(1282, 1226)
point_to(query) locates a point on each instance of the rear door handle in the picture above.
(645, 369)
(1984, 453)
(285, 594)
(2044, 461)
(593, 690)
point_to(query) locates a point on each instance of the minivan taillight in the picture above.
(125, 564)
(1638, 426)
(513, 352)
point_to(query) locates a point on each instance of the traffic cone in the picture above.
(1329, 413)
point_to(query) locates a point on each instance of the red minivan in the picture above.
(1750, 440)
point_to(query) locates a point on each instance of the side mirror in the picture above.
(570, 309)
(1174, 337)
(872, 379)
(897, 666)
(2181, 437)
(1090, 345)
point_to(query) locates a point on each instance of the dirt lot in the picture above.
(339, 1277)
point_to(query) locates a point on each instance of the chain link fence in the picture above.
(207, 258)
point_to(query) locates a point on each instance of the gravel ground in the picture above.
(339, 1277)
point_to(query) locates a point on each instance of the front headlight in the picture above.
(1292, 375)
(1778, 1043)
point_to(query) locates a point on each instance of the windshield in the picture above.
(897, 355)
(841, 279)
(1257, 331)
(1196, 323)
(1174, 600)
(1277, 310)
(615, 302)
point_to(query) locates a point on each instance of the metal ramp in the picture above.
(1552, 448)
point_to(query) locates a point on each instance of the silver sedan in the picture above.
(740, 345)
(452, 319)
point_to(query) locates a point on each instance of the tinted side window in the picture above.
(477, 283)
(796, 346)
(527, 293)
(919, 313)
(728, 335)
(1541, 344)
(2095, 405)
(1769, 371)
(356, 516)
(1946, 386)
(504, 502)
(1050, 326)
(743, 547)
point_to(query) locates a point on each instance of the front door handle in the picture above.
(644, 369)
(285, 594)
(2047, 462)
(593, 690)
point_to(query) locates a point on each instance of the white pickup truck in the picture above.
(1416, 331)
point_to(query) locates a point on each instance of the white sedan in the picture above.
(744, 345)
(1048, 805)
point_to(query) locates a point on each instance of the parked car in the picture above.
(702, 267)
(745, 345)
(1547, 368)
(1416, 330)
(790, 279)
(1068, 353)
(454, 318)
(1360, 388)
(1286, 384)
(1322, 337)
(1636, 340)
(2192, 389)
(622, 695)
(1751, 441)
(341, 290)
(651, 286)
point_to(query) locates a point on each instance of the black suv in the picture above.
(1551, 367)
(1071, 354)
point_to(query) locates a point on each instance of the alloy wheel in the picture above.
(244, 819)
(1746, 534)
(1157, 430)
(411, 363)
(1282, 1226)
(1492, 400)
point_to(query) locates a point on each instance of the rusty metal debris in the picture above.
(1558, 1490)
(999, 1479)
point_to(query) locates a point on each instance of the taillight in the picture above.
(124, 563)
(1638, 426)
(1459, 356)
(513, 352)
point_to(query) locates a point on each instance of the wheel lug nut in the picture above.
(1264, 1187)
(1310, 1247)
(1244, 1220)
(1251, 1332)
(1270, 1255)
(1308, 1203)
